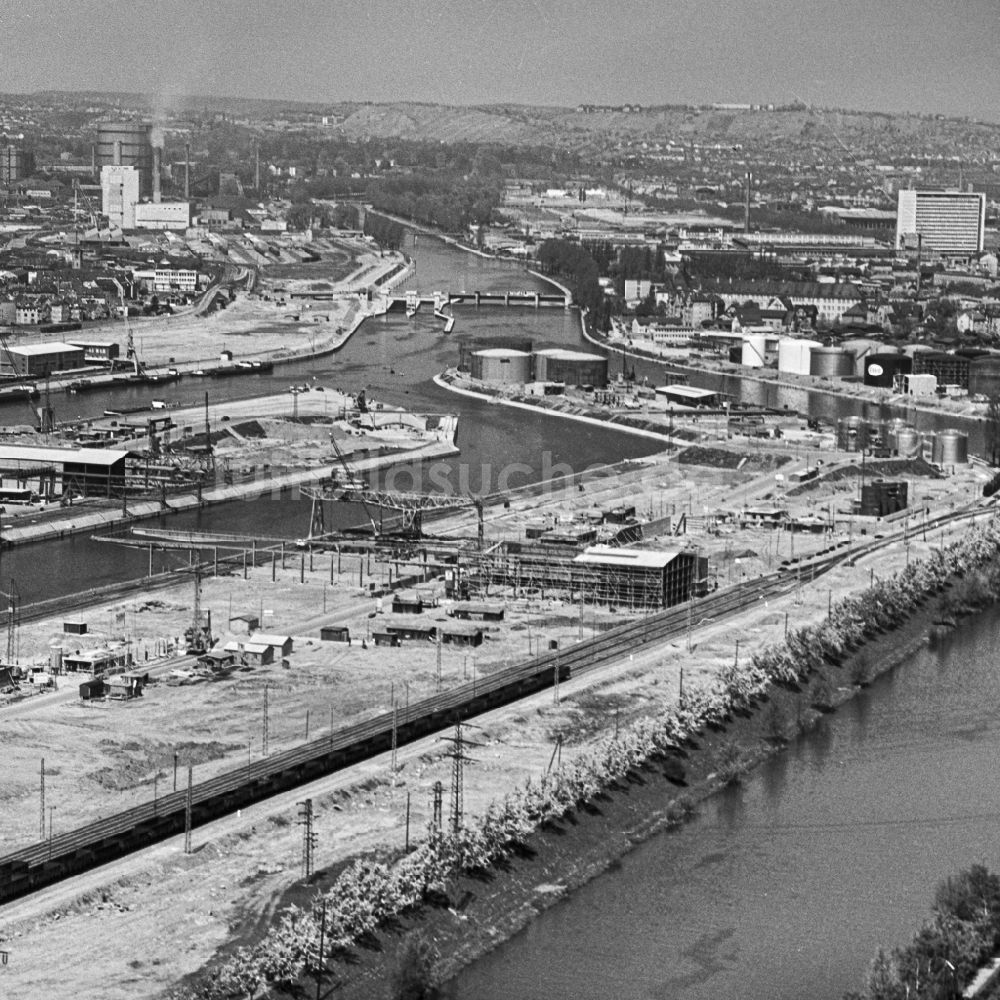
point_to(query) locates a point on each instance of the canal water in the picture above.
(783, 887)
(395, 360)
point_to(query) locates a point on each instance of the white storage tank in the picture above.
(794, 355)
(754, 350)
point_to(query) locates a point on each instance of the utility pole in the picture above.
(265, 735)
(41, 802)
(308, 838)
(187, 811)
(436, 806)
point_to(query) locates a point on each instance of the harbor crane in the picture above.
(411, 505)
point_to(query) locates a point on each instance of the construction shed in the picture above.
(478, 611)
(411, 628)
(244, 624)
(459, 633)
(407, 602)
(386, 638)
(217, 659)
(335, 633)
(125, 687)
(251, 651)
(94, 688)
(281, 644)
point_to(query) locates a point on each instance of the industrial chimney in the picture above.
(156, 174)
(187, 171)
(118, 153)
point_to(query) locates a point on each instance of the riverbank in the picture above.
(442, 380)
(944, 407)
(482, 912)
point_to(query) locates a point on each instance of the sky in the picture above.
(928, 56)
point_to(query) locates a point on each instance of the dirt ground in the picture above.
(170, 912)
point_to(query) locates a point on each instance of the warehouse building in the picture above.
(39, 360)
(54, 471)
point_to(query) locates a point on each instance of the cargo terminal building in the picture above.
(52, 472)
(39, 360)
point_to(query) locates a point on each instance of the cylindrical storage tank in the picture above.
(951, 447)
(984, 376)
(501, 366)
(852, 434)
(831, 362)
(882, 369)
(909, 443)
(556, 364)
(861, 348)
(55, 659)
(793, 355)
(754, 351)
(910, 349)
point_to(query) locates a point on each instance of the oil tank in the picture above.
(831, 362)
(793, 355)
(984, 376)
(501, 366)
(135, 137)
(909, 443)
(881, 369)
(55, 659)
(754, 351)
(910, 349)
(862, 348)
(556, 364)
(951, 447)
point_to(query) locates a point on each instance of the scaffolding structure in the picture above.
(631, 578)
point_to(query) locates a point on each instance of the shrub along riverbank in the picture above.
(372, 893)
(945, 955)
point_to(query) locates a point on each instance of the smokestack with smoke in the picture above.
(156, 174)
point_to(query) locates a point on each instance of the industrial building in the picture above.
(557, 364)
(128, 144)
(54, 471)
(163, 215)
(623, 577)
(39, 360)
(98, 352)
(120, 187)
(689, 395)
(947, 222)
(949, 369)
(15, 164)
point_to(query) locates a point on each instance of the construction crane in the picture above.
(14, 600)
(130, 352)
(198, 634)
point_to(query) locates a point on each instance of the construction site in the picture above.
(204, 699)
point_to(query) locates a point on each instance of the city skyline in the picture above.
(565, 52)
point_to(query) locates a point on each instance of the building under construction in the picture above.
(621, 577)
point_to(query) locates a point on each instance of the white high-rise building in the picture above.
(119, 195)
(948, 222)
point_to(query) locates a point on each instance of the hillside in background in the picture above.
(863, 133)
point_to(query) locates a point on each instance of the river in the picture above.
(783, 887)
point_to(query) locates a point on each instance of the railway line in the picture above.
(96, 843)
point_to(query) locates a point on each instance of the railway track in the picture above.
(66, 854)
